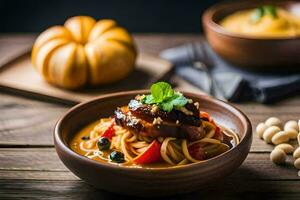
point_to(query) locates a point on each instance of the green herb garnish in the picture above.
(258, 13)
(165, 97)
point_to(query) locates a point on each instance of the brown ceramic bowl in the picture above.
(150, 181)
(278, 54)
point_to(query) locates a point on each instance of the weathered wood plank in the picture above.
(257, 165)
(248, 189)
(37, 175)
(27, 122)
(40, 159)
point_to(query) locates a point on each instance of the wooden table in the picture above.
(30, 168)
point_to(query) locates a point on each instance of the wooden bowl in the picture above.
(278, 54)
(150, 181)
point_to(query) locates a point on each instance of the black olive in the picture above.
(116, 157)
(85, 138)
(103, 143)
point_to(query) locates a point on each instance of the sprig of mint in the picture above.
(165, 97)
(258, 13)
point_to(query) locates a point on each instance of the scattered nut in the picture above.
(274, 121)
(297, 163)
(278, 156)
(292, 124)
(296, 153)
(260, 129)
(269, 133)
(287, 148)
(280, 137)
(290, 128)
(291, 133)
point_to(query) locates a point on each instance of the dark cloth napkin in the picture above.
(235, 83)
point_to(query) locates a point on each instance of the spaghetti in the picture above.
(163, 127)
(173, 151)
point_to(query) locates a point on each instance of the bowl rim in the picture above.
(207, 20)
(59, 144)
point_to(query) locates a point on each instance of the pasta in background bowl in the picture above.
(145, 180)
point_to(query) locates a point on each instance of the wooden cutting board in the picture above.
(18, 76)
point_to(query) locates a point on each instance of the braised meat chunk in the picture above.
(162, 124)
(188, 115)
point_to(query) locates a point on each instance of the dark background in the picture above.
(179, 16)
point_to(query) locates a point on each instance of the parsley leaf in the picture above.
(165, 97)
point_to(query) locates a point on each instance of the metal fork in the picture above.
(196, 55)
(202, 62)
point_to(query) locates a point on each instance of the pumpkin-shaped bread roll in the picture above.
(84, 52)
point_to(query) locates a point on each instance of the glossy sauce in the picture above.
(74, 145)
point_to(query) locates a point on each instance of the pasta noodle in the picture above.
(173, 151)
(161, 128)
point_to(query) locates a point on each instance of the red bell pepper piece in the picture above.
(110, 131)
(150, 155)
(204, 115)
(218, 134)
